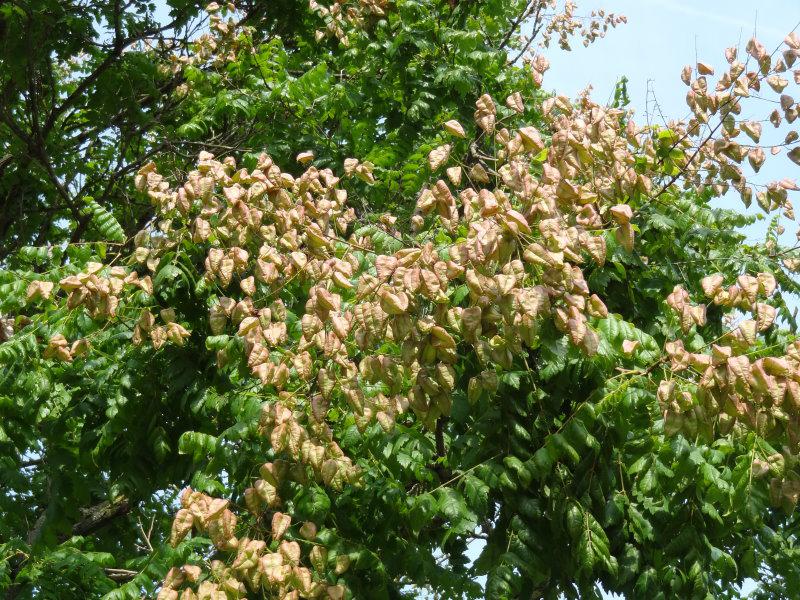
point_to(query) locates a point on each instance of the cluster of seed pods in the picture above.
(382, 333)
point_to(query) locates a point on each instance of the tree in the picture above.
(409, 304)
(93, 90)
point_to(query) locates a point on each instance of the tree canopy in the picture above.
(319, 301)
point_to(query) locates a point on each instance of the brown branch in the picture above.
(94, 518)
(522, 16)
(98, 516)
(120, 575)
(537, 27)
(442, 471)
(683, 170)
(146, 536)
(119, 46)
(4, 161)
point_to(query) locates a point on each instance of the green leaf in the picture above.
(477, 493)
(103, 221)
(198, 444)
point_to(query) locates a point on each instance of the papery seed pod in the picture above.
(765, 315)
(438, 156)
(531, 139)
(515, 103)
(454, 175)
(38, 289)
(686, 75)
(248, 285)
(625, 236)
(455, 128)
(711, 284)
(305, 157)
(280, 525)
(705, 69)
(621, 213)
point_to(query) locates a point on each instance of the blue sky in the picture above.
(660, 38)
